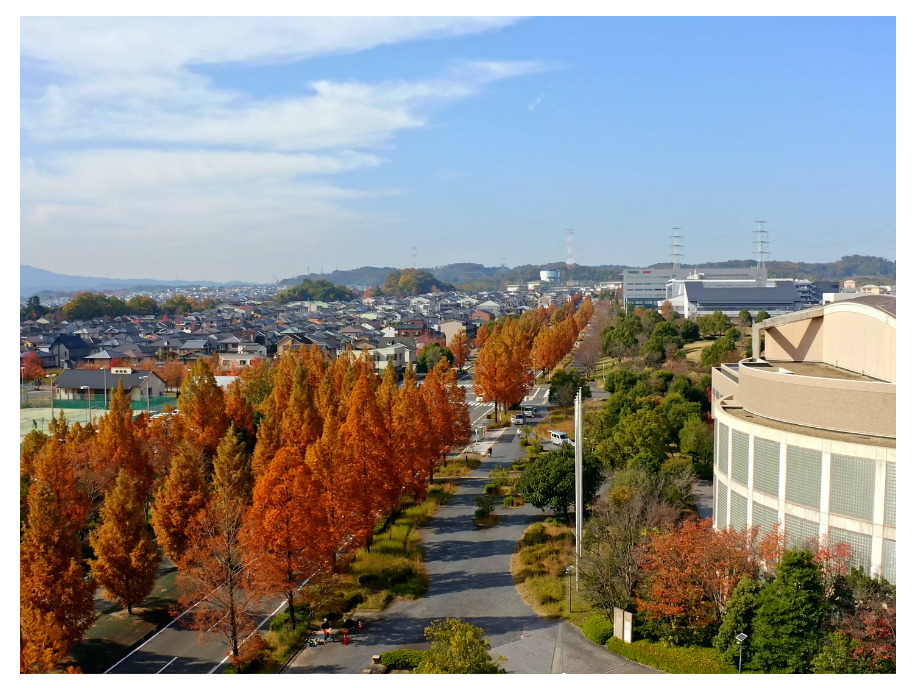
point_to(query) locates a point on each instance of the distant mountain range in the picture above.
(472, 276)
(38, 281)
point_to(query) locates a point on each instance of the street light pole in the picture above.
(741, 637)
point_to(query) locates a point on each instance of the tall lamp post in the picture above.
(86, 387)
(741, 637)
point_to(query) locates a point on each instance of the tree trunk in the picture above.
(292, 609)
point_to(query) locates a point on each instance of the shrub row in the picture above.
(402, 659)
(673, 660)
(598, 628)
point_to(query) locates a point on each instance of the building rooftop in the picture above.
(809, 369)
(832, 435)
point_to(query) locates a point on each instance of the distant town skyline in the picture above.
(257, 149)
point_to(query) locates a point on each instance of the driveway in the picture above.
(469, 579)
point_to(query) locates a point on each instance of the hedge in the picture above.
(673, 660)
(402, 659)
(598, 628)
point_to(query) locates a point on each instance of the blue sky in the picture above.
(254, 149)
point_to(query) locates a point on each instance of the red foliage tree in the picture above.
(690, 571)
(32, 369)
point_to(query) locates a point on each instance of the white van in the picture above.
(558, 437)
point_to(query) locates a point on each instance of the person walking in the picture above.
(326, 629)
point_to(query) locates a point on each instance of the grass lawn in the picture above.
(539, 572)
(694, 350)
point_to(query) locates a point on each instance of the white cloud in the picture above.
(128, 45)
(122, 139)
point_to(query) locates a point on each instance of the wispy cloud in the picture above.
(537, 101)
(123, 131)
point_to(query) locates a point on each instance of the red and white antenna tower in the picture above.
(570, 261)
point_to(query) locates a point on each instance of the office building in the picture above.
(806, 431)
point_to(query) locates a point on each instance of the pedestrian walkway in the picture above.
(469, 570)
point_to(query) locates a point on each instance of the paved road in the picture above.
(470, 579)
(176, 649)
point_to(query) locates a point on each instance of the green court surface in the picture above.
(38, 418)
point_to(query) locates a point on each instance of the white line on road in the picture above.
(167, 665)
(269, 617)
(153, 638)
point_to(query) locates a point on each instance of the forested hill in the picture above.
(475, 276)
(848, 267)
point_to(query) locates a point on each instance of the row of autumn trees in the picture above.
(510, 349)
(250, 492)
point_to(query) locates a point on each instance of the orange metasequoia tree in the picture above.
(216, 571)
(232, 468)
(413, 436)
(447, 411)
(178, 501)
(363, 440)
(503, 372)
(126, 557)
(56, 604)
(117, 446)
(336, 491)
(202, 416)
(283, 532)
(461, 347)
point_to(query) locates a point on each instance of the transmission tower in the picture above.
(570, 261)
(762, 243)
(413, 253)
(677, 248)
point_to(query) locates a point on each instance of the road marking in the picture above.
(166, 666)
(268, 618)
(154, 637)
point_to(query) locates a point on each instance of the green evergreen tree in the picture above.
(739, 618)
(457, 647)
(790, 619)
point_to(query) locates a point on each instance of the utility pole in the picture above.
(578, 468)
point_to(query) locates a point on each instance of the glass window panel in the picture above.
(739, 456)
(738, 519)
(803, 476)
(800, 533)
(852, 486)
(890, 495)
(766, 466)
(860, 545)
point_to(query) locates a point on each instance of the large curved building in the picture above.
(806, 434)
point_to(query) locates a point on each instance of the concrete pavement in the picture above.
(470, 579)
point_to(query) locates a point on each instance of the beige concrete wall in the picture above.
(855, 341)
(723, 385)
(849, 335)
(796, 341)
(450, 329)
(845, 405)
